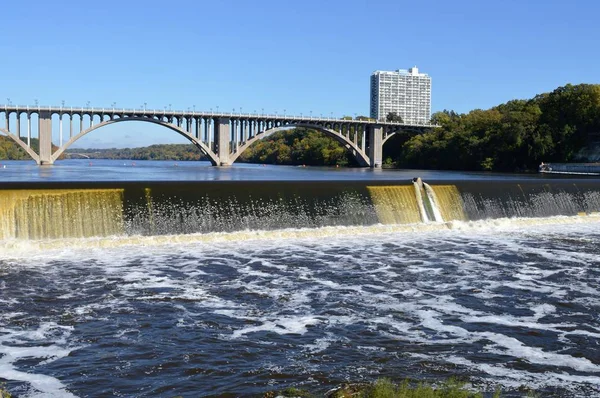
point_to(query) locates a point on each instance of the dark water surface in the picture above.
(495, 303)
(508, 302)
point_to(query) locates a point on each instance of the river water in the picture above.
(509, 302)
(128, 170)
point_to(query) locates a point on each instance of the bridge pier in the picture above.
(375, 146)
(45, 138)
(223, 138)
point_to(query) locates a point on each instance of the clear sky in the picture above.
(300, 56)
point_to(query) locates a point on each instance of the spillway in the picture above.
(73, 210)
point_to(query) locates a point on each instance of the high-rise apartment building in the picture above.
(404, 92)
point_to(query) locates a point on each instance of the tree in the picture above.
(394, 117)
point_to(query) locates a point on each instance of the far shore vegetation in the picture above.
(514, 136)
(385, 388)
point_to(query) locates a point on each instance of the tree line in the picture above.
(180, 152)
(515, 136)
(10, 150)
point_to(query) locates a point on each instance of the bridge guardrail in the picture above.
(194, 113)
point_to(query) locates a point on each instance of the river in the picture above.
(236, 281)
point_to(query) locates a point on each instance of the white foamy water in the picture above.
(50, 344)
(504, 302)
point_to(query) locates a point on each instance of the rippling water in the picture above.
(504, 302)
(158, 170)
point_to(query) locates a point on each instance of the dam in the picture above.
(77, 210)
(238, 281)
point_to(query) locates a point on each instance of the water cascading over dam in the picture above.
(77, 210)
(60, 213)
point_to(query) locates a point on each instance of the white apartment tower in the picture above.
(405, 92)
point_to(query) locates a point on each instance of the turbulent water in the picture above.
(510, 302)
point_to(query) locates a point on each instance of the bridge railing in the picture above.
(194, 113)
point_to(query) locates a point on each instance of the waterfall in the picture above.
(405, 204)
(417, 183)
(60, 213)
(395, 204)
(433, 202)
(449, 202)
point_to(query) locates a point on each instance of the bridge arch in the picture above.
(360, 156)
(198, 143)
(23, 145)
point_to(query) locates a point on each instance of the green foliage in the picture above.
(517, 135)
(365, 118)
(10, 150)
(487, 164)
(394, 117)
(295, 392)
(179, 152)
(384, 388)
(451, 389)
(288, 392)
(296, 147)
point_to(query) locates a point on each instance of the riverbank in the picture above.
(385, 388)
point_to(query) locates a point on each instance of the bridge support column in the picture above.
(375, 146)
(45, 136)
(223, 138)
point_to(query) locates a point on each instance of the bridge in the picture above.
(221, 137)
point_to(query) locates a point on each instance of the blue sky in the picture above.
(299, 56)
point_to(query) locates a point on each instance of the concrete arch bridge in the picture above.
(222, 137)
